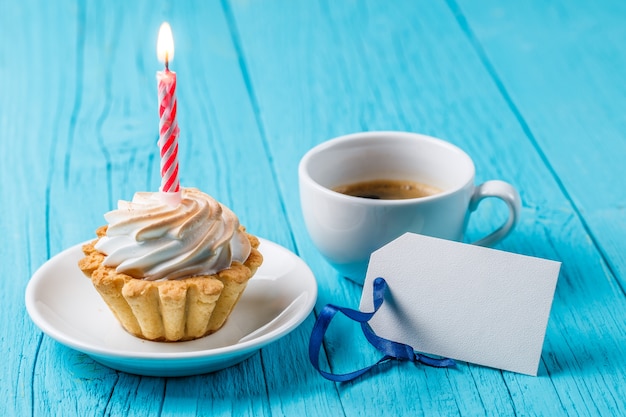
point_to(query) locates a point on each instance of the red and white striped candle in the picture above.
(168, 126)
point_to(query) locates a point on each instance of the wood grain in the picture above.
(532, 91)
(468, 107)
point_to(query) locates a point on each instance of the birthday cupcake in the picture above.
(171, 272)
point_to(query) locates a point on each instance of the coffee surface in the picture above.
(384, 189)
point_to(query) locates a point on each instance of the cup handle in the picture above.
(507, 193)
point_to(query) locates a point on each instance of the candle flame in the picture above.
(165, 44)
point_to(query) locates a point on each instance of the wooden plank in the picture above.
(572, 53)
(273, 79)
(333, 88)
(59, 168)
(349, 66)
(100, 146)
(32, 102)
(222, 121)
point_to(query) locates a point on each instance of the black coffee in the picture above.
(387, 189)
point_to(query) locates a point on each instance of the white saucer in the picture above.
(62, 302)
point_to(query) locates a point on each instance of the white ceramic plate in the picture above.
(62, 302)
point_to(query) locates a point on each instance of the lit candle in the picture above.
(168, 126)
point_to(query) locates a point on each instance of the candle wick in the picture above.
(167, 62)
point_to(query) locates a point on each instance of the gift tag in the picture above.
(464, 302)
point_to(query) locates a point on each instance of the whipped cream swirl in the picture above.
(149, 239)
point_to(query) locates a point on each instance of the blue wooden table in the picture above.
(534, 91)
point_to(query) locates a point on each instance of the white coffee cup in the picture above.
(347, 229)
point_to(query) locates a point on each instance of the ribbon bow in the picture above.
(391, 349)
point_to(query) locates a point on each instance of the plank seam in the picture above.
(106, 409)
(108, 79)
(32, 376)
(241, 59)
(556, 391)
(163, 396)
(80, 57)
(264, 374)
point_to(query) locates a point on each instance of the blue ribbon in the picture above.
(391, 349)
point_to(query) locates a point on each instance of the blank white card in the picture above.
(463, 302)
